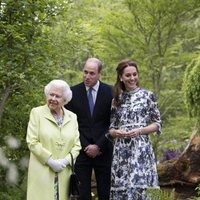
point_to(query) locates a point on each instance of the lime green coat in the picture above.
(45, 139)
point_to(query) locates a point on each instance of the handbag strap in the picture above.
(72, 162)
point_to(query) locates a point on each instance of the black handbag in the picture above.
(74, 184)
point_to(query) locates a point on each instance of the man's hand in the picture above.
(92, 150)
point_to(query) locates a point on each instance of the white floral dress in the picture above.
(134, 166)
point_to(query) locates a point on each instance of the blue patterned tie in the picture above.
(90, 99)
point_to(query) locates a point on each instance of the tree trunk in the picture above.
(186, 168)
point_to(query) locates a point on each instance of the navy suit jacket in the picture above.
(92, 128)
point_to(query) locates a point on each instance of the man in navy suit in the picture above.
(96, 153)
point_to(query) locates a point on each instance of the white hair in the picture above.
(61, 84)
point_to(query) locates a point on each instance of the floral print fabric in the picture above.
(134, 167)
(59, 121)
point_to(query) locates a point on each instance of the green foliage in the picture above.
(176, 133)
(25, 67)
(51, 39)
(198, 190)
(158, 194)
(198, 193)
(71, 76)
(11, 192)
(146, 31)
(191, 88)
(23, 49)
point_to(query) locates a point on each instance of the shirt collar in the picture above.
(95, 87)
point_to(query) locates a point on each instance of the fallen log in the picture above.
(184, 170)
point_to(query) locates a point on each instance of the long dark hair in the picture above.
(119, 85)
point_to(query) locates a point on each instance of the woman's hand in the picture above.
(117, 133)
(55, 165)
(134, 133)
(125, 134)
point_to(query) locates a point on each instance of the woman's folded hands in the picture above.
(57, 165)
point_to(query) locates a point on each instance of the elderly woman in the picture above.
(51, 135)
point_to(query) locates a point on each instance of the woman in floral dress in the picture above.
(134, 117)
